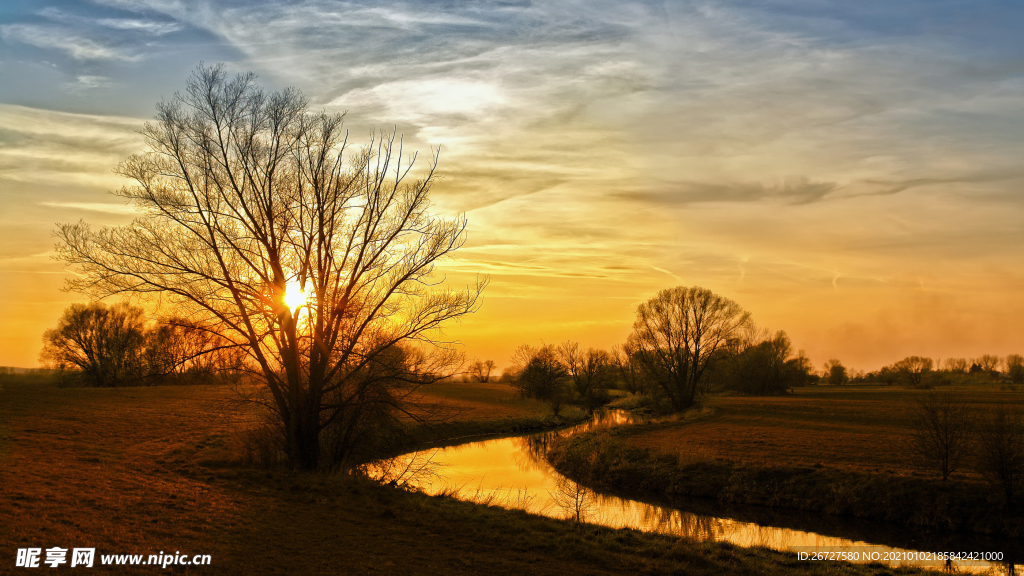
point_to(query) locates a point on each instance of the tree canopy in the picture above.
(246, 196)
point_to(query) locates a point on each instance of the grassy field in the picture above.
(150, 470)
(859, 428)
(842, 451)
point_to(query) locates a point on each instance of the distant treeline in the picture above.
(688, 341)
(924, 372)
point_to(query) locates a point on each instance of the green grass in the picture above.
(152, 469)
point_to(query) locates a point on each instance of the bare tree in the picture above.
(913, 369)
(105, 343)
(576, 500)
(988, 362)
(178, 347)
(317, 261)
(628, 370)
(543, 376)
(942, 427)
(480, 371)
(1000, 455)
(678, 333)
(1015, 368)
(588, 369)
(956, 365)
(835, 372)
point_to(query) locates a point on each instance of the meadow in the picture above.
(843, 450)
(857, 428)
(157, 469)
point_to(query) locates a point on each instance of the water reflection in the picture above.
(513, 473)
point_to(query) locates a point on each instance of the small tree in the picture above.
(576, 500)
(480, 371)
(1015, 368)
(835, 372)
(544, 376)
(942, 426)
(1000, 455)
(106, 344)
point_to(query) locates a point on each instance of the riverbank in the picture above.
(470, 411)
(656, 461)
(144, 470)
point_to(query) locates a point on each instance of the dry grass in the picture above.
(483, 401)
(856, 428)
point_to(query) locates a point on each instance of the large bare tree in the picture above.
(678, 334)
(316, 260)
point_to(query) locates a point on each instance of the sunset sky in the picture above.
(850, 172)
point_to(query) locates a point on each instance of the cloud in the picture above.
(105, 207)
(793, 190)
(65, 40)
(145, 26)
(89, 82)
(885, 188)
(45, 146)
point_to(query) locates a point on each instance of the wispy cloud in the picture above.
(792, 190)
(44, 146)
(143, 25)
(146, 26)
(89, 82)
(108, 208)
(64, 40)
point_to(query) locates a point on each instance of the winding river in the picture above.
(512, 472)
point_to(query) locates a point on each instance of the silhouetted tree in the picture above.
(1015, 368)
(179, 348)
(246, 198)
(480, 371)
(1000, 455)
(956, 365)
(106, 344)
(676, 336)
(942, 427)
(988, 362)
(544, 376)
(765, 367)
(590, 371)
(913, 369)
(629, 373)
(576, 500)
(835, 372)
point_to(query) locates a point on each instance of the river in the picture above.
(512, 472)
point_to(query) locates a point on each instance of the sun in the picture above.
(294, 295)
